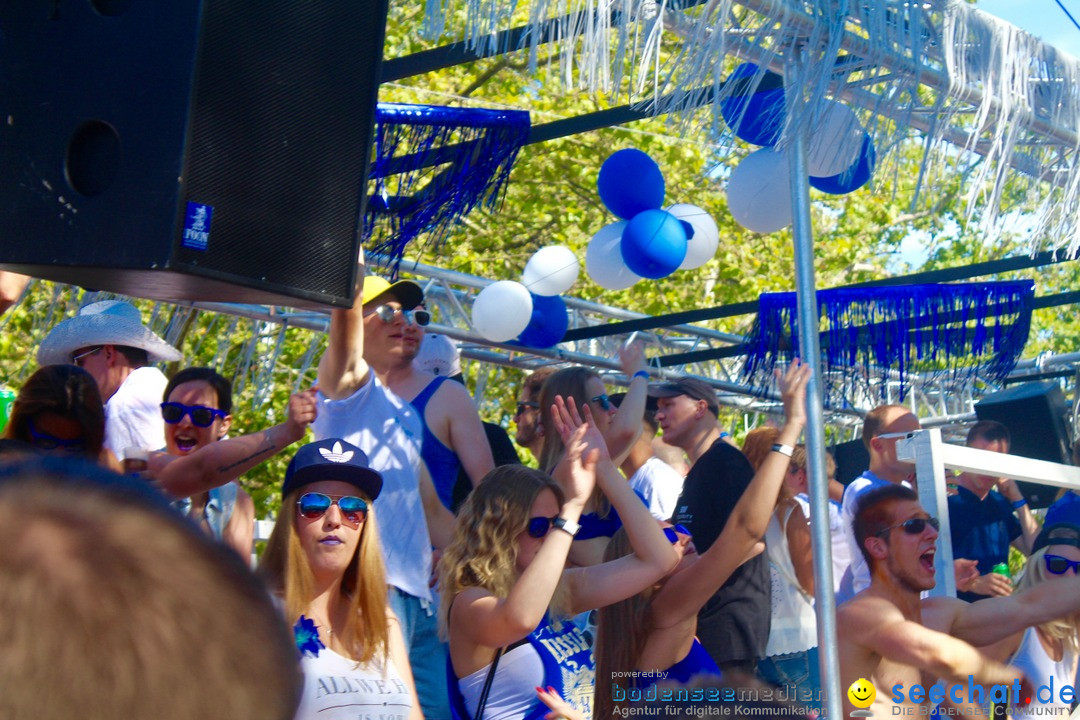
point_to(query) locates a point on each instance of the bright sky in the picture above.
(1043, 18)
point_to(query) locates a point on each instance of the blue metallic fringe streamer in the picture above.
(433, 165)
(871, 335)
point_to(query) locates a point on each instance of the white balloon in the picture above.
(759, 191)
(551, 271)
(701, 247)
(603, 258)
(835, 141)
(502, 310)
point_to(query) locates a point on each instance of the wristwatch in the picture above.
(567, 526)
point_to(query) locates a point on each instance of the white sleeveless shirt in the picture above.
(336, 688)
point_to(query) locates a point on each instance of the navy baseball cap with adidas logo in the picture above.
(332, 459)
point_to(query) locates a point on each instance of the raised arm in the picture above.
(625, 424)
(1028, 526)
(987, 621)
(219, 462)
(342, 368)
(684, 594)
(480, 618)
(653, 556)
(879, 626)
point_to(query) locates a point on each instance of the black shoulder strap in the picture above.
(487, 685)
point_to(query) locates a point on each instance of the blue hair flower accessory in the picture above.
(307, 637)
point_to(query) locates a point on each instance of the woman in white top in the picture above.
(324, 562)
(1047, 652)
(506, 593)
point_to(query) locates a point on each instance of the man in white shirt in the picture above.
(357, 406)
(654, 480)
(109, 341)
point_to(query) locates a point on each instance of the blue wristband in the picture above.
(640, 373)
(1017, 504)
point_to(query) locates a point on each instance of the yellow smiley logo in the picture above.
(861, 693)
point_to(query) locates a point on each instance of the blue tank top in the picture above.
(442, 462)
(697, 662)
(568, 667)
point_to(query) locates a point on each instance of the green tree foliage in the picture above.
(552, 199)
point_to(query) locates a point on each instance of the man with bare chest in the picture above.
(903, 644)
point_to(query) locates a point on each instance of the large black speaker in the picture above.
(188, 149)
(852, 460)
(1037, 418)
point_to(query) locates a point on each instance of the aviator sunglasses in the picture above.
(914, 526)
(314, 505)
(201, 416)
(1060, 565)
(386, 313)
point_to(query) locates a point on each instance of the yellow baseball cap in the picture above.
(406, 292)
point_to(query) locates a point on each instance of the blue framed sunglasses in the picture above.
(45, 441)
(1060, 565)
(201, 416)
(673, 533)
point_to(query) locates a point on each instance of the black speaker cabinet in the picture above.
(1037, 417)
(188, 149)
(852, 460)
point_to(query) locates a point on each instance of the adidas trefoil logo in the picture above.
(335, 454)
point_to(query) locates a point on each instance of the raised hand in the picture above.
(565, 416)
(793, 390)
(576, 471)
(632, 359)
(303, 408)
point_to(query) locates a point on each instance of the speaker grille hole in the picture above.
(93, 158)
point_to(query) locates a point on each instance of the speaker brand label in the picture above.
(197, 226)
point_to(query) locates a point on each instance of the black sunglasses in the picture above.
(603, 400)
(386, 313)
(914, 526)
(314, 505)
(201, 416)
(1060, 565)
(524, 405)
(45, 441)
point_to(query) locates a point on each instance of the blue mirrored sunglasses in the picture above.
(603, 401)
(314, 505)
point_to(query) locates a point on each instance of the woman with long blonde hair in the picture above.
(506, 593)
(1049, 652)
(324, 563)
(653, 634)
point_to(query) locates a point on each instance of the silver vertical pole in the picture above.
(806, 293)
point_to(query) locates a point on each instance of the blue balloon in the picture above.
(653, 244)
(754, 116)
(854, 177)
(630, 181)
(548, 323)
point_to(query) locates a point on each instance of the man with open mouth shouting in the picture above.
(903, 643)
